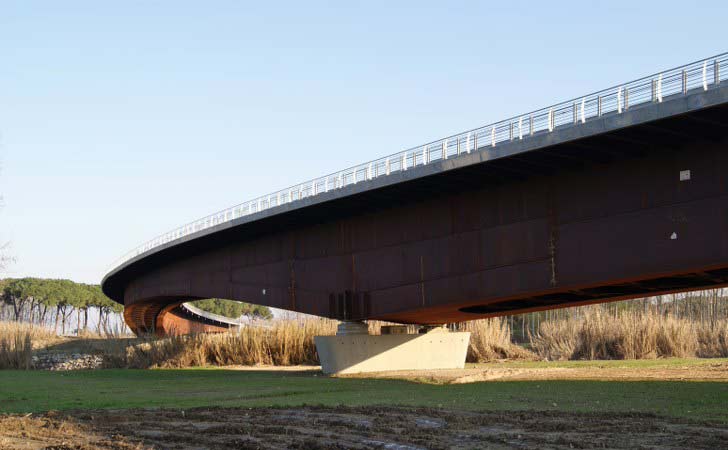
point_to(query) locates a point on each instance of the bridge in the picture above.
(618, 194)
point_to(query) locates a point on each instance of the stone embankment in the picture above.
(66, 361)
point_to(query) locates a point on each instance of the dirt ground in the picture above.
(350, 428)
(707, 372)
(51, 432)
(713, 371)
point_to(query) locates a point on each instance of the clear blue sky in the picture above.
(121, 120)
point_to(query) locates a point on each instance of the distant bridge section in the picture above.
(617, 194)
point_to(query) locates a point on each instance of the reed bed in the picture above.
(290, 342)
(281, 343)
(629, 336)
(490, 339)
(17, 341)
(713, 340)
(594, 335)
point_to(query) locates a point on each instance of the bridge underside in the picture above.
(166, 316)
(607, 217)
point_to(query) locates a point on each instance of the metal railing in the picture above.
(704, 74)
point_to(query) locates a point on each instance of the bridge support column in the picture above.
(354, 350)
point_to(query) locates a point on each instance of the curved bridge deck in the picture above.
(625, 203)
(166, 316)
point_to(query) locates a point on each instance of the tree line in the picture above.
(54, 303)
(233, 309)
(60, 304)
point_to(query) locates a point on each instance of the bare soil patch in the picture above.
(705, 372)
(397, 428)
(55, 433)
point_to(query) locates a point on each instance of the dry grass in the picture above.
(285, 342)
(628, 336)
(17, 341)
(290, 342)
(490, 339)
(713, 340)
(675, 337)
(556, 340)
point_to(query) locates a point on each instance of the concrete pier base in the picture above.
(357, 352)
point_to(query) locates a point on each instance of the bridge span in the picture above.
(615, 195)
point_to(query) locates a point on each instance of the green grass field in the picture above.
(36, 391)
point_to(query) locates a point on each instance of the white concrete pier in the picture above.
(353, 350)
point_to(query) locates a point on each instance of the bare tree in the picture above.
(4, 258)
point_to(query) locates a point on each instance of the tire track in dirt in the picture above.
(397, 428)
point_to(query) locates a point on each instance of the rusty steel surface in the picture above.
(602, 218)
(167, 317)
(667, 93)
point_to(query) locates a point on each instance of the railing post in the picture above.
(684, 81)
(388, 166)
(576, 115)
(426, 155)
(475, 141)
(458, 145)
(716, 72)
(510, 130)
(520, 128)
(530, 124)
(492, 136)
(659, 89)
(341, 179)
(369, 171)
(467, 144)
(583, 110)
(444, 149)
(404, 161)
(551, 120)
(626, 98)
(599, 106)
(619, 100)
(705, 75)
